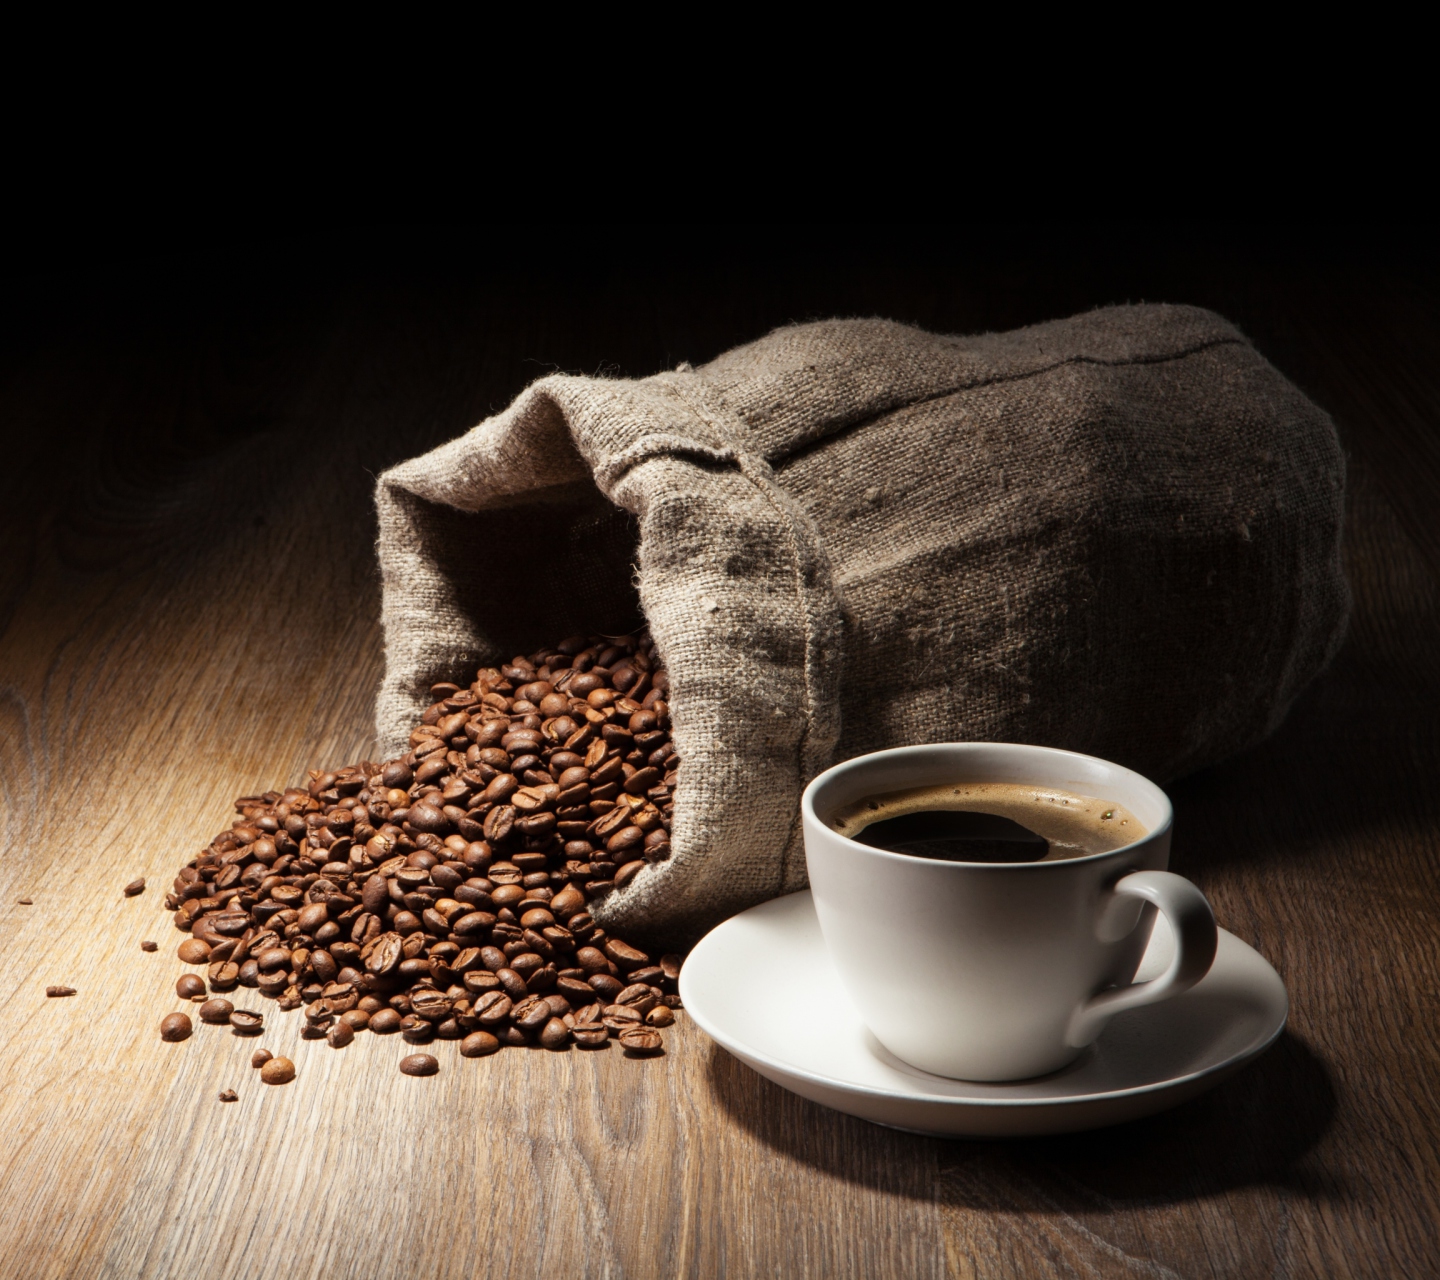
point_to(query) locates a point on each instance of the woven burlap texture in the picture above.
(1117, 533)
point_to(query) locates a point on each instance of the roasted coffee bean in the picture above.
(224, 976)
(228, 1095)
(606, 987)
(416, 1030)
(592, 1036)
(135, 887)
(175, 1027)
(341, 1034)
(419, 1064)
(147, 945)
(531, 1014)
(385, 1022)
(260, 1057)
(574, 990)
(216, 1011)
(356, 1019)
(512, 983)
(478, 1044)
(66, 991)
(592, 959)
(273, 959)
(642, 1042)
(188, 986)
(247, 1022)
(624, 955)
(193, 951)
(396, 775)
(618, 1016)
(383, 954)
(660, 1016)
(639, 997)
(278, 1071)
(493, 1008)
(480, 981)
(555, 1034)
(431, 1005)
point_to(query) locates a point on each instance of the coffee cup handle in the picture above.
(1193, 924)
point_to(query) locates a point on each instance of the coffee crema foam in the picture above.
(1073, 825)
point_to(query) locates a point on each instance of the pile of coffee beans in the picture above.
(445, 894)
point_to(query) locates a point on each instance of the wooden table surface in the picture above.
(188, 612)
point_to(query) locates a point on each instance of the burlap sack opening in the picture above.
(1117, 533)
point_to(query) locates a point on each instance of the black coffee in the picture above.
(989, 822)
(956, 835)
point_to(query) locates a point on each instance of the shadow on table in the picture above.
(1255, 1129)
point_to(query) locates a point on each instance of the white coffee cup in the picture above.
(997, 971)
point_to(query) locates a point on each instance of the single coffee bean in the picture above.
(193, 951)
(493, 1008)
(638, 997)
(135, 887)
(592, 959)
(356, 1019)
(624, 955)
(642, 1042)
(419, 1064)
(593, 1036)
(481, 981)
(216, 1011)
(59, 991)
(175, 1027)
(555, 1034)
(147, 945)
(224, 976)
(431, 1005)
(247, 1022)
(618, 1017)
(278, 1071)
(416, 1030)
(341, 1034)
(479, 1044)
(260, 1057)
(513, 984)
(606, 987)
(660, 1016)
(228, 1095)
(385, 1022)
(531, 1014)
(188, 986)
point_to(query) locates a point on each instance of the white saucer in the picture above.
(762, 985)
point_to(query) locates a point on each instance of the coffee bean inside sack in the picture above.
(445, 894)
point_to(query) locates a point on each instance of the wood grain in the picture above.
(188, 612)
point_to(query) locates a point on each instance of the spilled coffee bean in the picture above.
(175, 1027)
(445, 894)
(59, 991)
(278, 1071)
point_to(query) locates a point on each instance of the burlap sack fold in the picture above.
(1117, 533)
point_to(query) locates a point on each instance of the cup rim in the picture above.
(808, 814)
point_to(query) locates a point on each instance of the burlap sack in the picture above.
(1117, 533)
